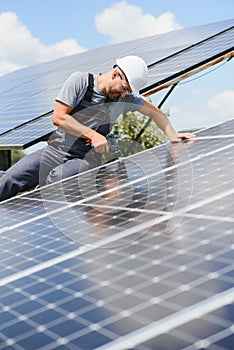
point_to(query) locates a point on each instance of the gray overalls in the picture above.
(64, 156)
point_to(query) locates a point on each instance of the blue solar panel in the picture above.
(28, 134)
(29, 93)
(135, 254)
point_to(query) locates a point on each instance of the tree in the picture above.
(130, 124)
(16, 155)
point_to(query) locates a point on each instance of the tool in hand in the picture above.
(114, 146)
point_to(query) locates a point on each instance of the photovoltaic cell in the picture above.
(192, 58)
(210, 331)
(27, 134)
(132, 255)
(29, 93)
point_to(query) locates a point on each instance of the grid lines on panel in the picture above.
(88, 267)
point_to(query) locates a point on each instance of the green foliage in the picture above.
(16, 155)
(130, 124)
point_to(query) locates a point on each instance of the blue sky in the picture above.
(36, 31)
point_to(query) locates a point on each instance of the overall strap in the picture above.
(88, 94)
(89, 91)
(103, 129)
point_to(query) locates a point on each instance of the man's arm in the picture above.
(162, 122)
(63, 119)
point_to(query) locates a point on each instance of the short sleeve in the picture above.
(132, 103)
(73, 89)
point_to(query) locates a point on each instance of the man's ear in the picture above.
(114, 73)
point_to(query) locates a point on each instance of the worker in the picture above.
(85, 109)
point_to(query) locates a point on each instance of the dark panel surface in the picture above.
(132, 255)
(27, 134)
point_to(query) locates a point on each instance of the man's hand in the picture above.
(63, 119)
(99, 142)
(182, 136)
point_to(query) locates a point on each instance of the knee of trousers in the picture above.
(66, 170)
(9, 186)
(15, 180)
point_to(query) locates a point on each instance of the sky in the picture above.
(33, 31)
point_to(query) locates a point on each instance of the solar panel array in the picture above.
(28, 134)
(185, 61)
(27, 95)
(136, 254)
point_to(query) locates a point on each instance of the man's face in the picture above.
(118, 86)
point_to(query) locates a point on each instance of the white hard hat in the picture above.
(135, 70)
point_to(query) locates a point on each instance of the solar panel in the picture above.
(135, 254)
(27, 134)
(30, 93)
(187, 60)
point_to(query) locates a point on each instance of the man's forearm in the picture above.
(160, 119)
(163, 123)
(73, 127)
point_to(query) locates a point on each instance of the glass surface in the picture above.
(137, 254)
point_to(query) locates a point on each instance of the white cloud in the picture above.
(126, 22)
(223, 103)
(7, 66)
(18, 48)
(187, 112)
